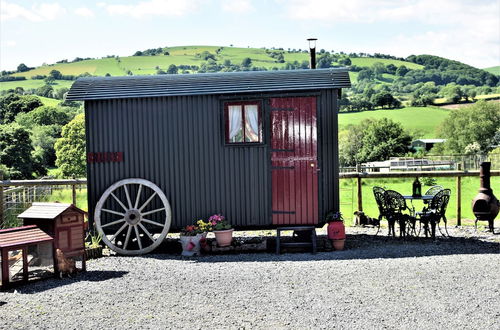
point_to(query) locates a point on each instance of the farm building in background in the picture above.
(408, 164)
(425, 144)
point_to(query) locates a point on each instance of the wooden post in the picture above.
(1, 201)
(360, 191)
(459, 197)
(73, 186)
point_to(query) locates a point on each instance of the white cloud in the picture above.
(465, 30)
(154, 8)
(84, 12)
(11, 43)
(237, 6)
(37, 13)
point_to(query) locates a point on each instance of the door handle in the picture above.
(313, 165)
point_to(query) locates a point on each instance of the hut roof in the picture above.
(98, 88)
(46, 210)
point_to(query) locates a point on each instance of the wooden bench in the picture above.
(311, 244)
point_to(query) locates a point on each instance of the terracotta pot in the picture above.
(224, 237)
(338, 244)
(191, 244)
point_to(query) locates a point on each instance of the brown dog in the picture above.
(65, 265)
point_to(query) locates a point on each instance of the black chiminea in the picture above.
(485, 205)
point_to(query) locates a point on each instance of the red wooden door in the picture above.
(294, 162)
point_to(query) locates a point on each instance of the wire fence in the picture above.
(18, 195)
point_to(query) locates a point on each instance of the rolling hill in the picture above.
(179, 56)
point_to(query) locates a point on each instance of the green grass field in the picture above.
(369, 61)
(420, 121)
(494, 69)
(33, 84)
(348, 195)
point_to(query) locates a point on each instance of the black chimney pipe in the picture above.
(312, 52)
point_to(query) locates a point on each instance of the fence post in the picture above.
(73, 186)
(459, 197)
(1, 201)
(360, 192)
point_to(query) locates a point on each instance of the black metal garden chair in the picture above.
(378, 193)
(435, 212)
(433, 190)
(397, 211)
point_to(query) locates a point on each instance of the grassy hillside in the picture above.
(494, 70)
(422, 122)
(369, 61)
(186, 55)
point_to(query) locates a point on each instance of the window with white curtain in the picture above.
(243, 122)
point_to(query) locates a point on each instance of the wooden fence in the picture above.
(14, 187)
(359, 176)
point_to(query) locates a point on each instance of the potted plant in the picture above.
(192, 237)
(93, 248)
(222, 229)
(336, 229)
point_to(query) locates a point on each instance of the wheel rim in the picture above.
(133, 216)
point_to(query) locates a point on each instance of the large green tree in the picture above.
(373, 140)
(45, 124)
(16, 155)
(476, 124)
(13, 104)
(70, 148)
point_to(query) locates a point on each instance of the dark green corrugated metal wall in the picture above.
(177, 143)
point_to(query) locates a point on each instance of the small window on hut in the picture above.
(243, 122)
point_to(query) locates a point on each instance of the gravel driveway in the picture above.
(376, 283)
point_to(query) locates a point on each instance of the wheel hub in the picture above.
(133, 217)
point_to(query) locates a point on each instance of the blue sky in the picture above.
(34, 32)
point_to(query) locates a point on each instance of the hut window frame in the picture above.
(243, 122)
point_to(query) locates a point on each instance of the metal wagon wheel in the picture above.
(140, 211)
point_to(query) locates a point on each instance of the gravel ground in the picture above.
(376, 283)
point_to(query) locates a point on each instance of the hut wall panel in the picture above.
(177, 143)
(328, 148)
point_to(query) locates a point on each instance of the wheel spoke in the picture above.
(113, 223)
(147, 202)
(128, 196)
(127, 237)
(138, 237)
(113, 212)
(153, 211)
(119, 231)
(146, 231)
(119, 202)
(138, 196)
(152, 222)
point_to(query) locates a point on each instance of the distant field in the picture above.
(33, 84)
(494, 70)
(418, 120)
(368, 61)
(48, 101)
(443, 100)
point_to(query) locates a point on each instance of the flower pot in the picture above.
(336, 230)
(338, 244)
(224, 237)
(191, 244)
(93, 252)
